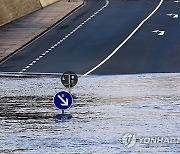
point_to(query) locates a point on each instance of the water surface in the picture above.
(107, 107)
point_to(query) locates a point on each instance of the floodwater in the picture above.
(108, 114)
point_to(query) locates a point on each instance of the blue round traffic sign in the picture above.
(63, 100)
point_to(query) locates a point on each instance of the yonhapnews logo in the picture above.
(130, 139)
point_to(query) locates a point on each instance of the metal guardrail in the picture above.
(31, 74)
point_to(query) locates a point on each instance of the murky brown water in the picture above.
(107, 108)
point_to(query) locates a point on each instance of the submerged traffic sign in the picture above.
(69, 79)
(63, 100)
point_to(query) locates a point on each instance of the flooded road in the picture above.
(109, 113)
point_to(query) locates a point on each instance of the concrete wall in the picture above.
(13, 9)
(4, 14)
(45, 3)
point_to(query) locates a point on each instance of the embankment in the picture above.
(14, 9)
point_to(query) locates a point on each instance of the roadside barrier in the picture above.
(13, 9)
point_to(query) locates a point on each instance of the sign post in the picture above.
(63, 100)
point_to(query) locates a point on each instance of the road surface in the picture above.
(107, 37)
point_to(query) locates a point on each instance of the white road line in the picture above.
(72, 32)
(27, 67)
(138, 27)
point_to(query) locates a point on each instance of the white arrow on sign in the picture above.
(65, 103)
(173, 15)
(159, 32)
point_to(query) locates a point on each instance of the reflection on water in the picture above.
(107, 108)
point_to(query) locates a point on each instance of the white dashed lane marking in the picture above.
(63, 39)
